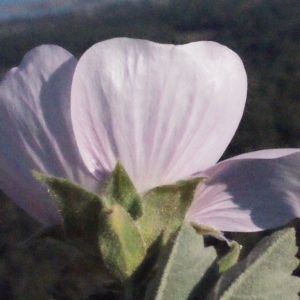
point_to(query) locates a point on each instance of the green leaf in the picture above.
(265, 273)
(80, 210)
(230, 258)
(121, 243)
(165, 208)
(121, 190)
(182, 265)
(98, 228)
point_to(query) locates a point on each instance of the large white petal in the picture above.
(35, 130)
(249, 194)
(165, 111)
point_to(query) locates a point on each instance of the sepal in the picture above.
(98, 227)
(165, 207)
(120, 243)
(80, 210)
(120, 190)
(231, 258)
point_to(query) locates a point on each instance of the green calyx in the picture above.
(164, 209)
(120, 225)
(80, 210)
(98, 226)
(143, 243)
(120, 190)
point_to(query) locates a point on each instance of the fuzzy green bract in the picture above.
(120, 225)
(120, 243)
(121, 190)
(80, 210)
(129, 232)
(266, 272)
(165, 208)
(230, 258)
(97, 226)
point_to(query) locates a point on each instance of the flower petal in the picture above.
(165, 111)
(36, 132)
(249, 194)
(267, 153)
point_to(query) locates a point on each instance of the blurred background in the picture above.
(265, 33)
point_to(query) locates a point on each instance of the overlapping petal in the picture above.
(267, 153)
(255, 191)
(165, 111)
(36, 132)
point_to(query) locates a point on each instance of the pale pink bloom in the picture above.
(166, 112)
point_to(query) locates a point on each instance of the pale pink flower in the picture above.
(166, 112)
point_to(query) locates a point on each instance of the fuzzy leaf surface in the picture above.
(265, 274)
(121, 190)
(93, 225)
(181, 266)
(165, 208)
(230, 258)
(120, 242)
(80, 210)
